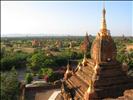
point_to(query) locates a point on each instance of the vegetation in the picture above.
(123, 55)
(126, 57)
(9, 85)
(55, 76)
(45, 72)
(36, 61)
(28, 78)
(16, 60)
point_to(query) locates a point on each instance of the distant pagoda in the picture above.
(84, 47)
(36, 43)
(100, 76)
(58, 44)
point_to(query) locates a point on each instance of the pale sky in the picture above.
(64, 17)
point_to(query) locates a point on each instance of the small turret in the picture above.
(84, 62)
(90, 89)
(68, 68)
(68, 72)
(90, 93)
(80, 66)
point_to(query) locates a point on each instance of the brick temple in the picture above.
(100, 76)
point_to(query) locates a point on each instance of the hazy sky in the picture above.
(64, 17)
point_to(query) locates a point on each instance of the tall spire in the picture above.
(103, 28)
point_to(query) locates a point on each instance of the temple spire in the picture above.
(103, 28)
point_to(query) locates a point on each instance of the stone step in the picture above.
(113, 91)
(107, 82)
(111, 73)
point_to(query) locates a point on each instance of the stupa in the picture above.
(85, 44)
(100, 76)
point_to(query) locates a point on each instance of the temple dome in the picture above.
(103, 49)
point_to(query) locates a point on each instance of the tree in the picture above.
(9, 85)
(56, 76)
(45, 72)
(130, 57)
(6, 63)
(50, 63)
(36, 61)
(3, 52)
(61, 61)
(71, 55)
(17, 60)
(126, 57)
(28, 78)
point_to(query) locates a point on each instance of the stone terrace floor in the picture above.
(46, 95)
(40, 95)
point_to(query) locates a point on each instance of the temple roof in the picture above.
(103, 47)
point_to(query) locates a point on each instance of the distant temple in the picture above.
(84, 47)
(98, 77)
(58, 44)
(36, 43)
(70, 45)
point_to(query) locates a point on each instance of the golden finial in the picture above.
(68, 72)
(84, 62)
(103, 23)
(79, 66)
(90, 89)
(85, 56)
(68, 67)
